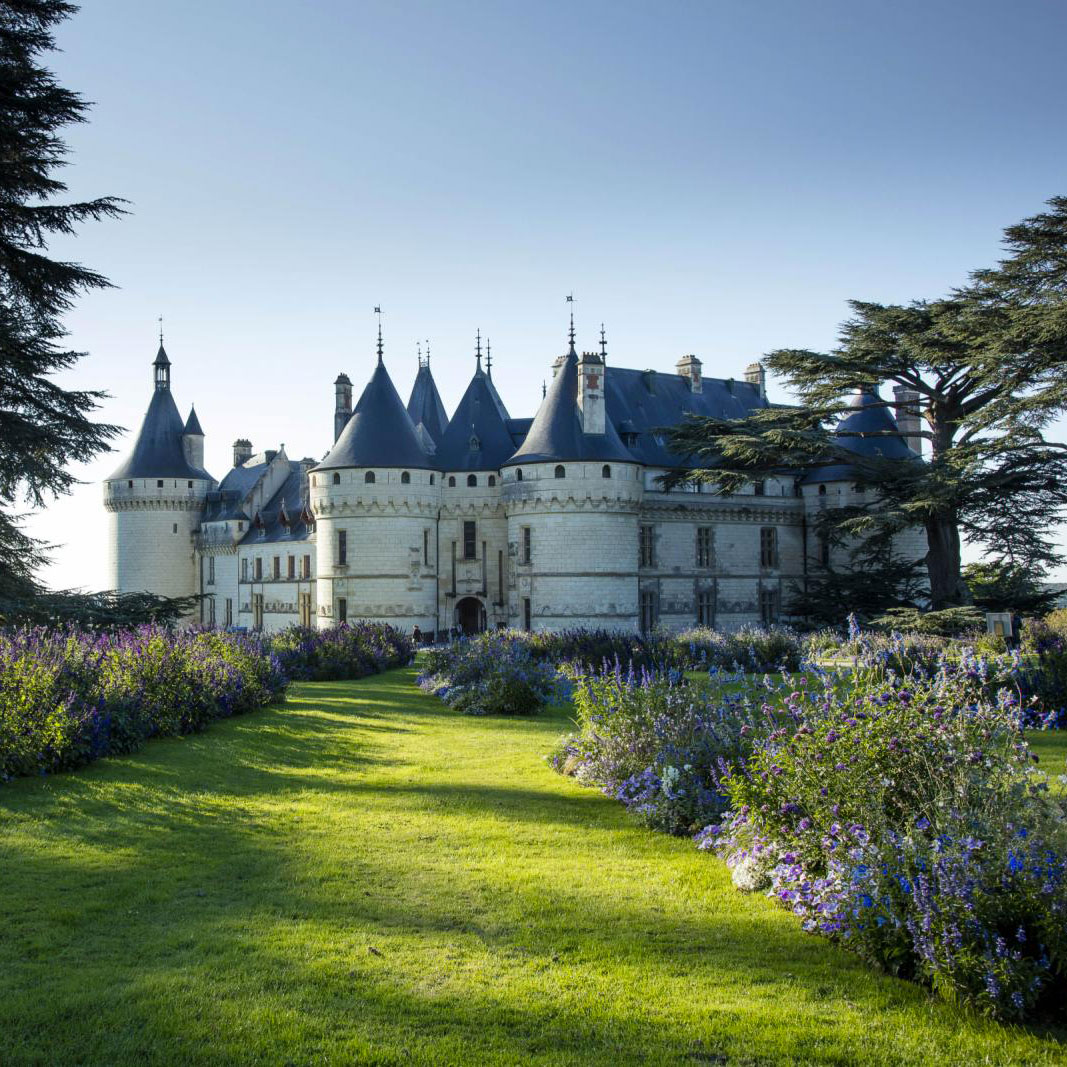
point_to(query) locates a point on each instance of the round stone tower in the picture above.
(156, 497)
(375, 499)
(572, 494)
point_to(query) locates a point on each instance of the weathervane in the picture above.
(570, 300)
(488, 359)
(378, 312)
(603, 345)
(478, 347)
(160, 331)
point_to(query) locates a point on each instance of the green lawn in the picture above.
(362, 876)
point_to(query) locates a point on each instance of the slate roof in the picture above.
(480, 417)
(425, 407)
(640, 403)
(157, 451)
(192, 424)
(287, 503)
(379, 432)
(556, 432)
(873, 421)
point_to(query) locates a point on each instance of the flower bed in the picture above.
(893, 806)
(349, 651)
(68, 697)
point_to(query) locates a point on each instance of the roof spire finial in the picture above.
(418, 353)
(488, 359)
(478, 348)
(544, 388)
(603, 345)
(160, 331)
(427, 352)
(378, 312)
(570, 300)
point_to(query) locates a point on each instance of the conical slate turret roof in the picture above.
(556, 433)
(380, 432)
(477, 438)
(425, 407)
(192, 424)
(157, 450)
(869, 431)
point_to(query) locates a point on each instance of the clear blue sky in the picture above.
(712, 177)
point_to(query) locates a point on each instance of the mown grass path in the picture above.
(362, 876)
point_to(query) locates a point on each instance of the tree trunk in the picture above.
(947, 587)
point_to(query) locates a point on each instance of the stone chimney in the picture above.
(342, 410)
(689, 367)
(906, 407)
(591, 392)
(242, 451)
(757, 376)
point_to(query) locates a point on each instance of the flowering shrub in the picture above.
(661, 745)
(349, 651)
(903, 817)
(491, 674)
(68, 697)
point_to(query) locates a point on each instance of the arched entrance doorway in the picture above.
(470, 615)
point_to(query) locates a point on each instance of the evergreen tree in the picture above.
(43, 427)
(986, 365)
(1009, 587)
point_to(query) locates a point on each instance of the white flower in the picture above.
(749, 874)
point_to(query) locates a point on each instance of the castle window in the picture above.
(605, 471)
(451, 482)
(768, 547)
(229, 611)
(561, 471)
(472, 481)
(342, 547)
(759, 488)
(768, 606)
(175, 527)
(211, 612)
(129, 484)
(470, 539)
(703, 546)
(276, 568)
(307, 566)
(426, 548)
(647, 546)
(244, 570)
(290, 567)
(526, 553)
(705, 608)
(189, 484)
(342, 611)
(527, 622)
(211, 570)
(159, 484)
(822, 490)
(492, 480)
(405, 478)
(258, 569)
(240, 527)
(648, 611)
(368, 478)
(431, 479)
(336, 478)
(518, 475)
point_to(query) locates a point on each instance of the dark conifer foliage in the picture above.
(43, 427)
(987, 363)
